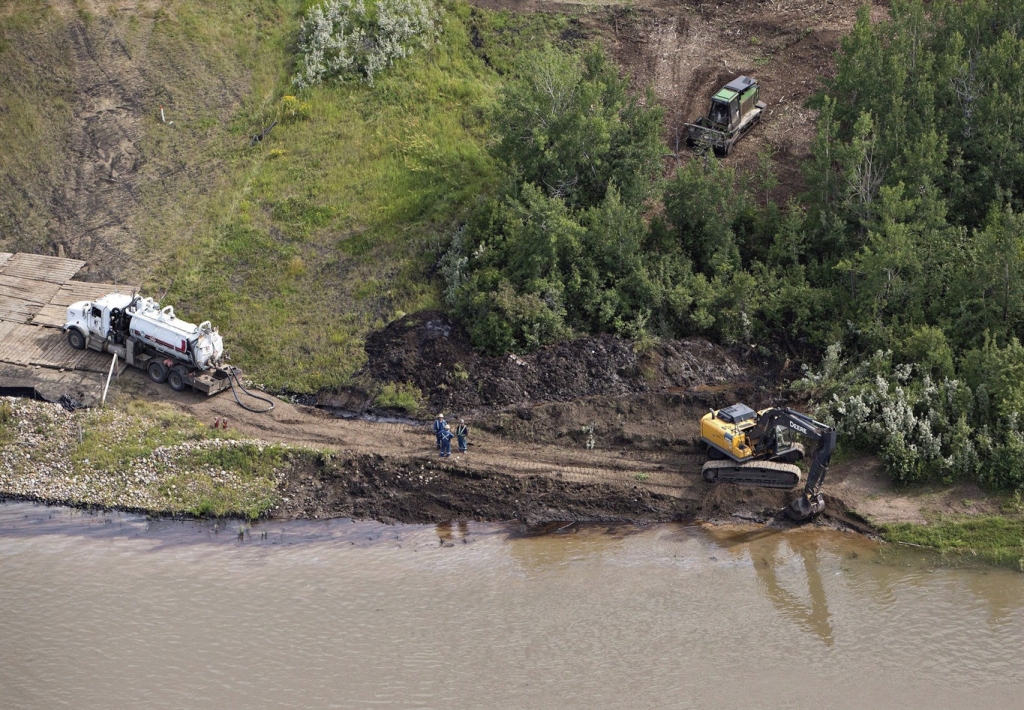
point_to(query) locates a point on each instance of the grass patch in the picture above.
(250, 460)
(361, 195)
(112, 441)
(38, 92)
(214, 479)
(8, 431)
(204, 497)
(994, 540)
(404, 396)
(226, 480)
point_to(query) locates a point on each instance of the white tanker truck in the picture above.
(151, 338)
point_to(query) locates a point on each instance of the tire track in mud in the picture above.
(97, 194)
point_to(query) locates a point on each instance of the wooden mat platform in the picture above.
(22, 344)
(21, 298)
(35, 291)
(41, 268)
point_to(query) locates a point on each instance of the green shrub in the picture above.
(340, 37)
(926, 430)
(568, 124)
(250, 460)
(290, 109)
(402, 395)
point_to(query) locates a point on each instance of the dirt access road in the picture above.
(390, 471)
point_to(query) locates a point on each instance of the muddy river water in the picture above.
(113, 610)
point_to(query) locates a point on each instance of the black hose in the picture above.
(232, 379)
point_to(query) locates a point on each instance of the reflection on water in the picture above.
(763, 547)
(115, 610)
(448, 538)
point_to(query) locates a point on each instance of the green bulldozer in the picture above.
(735, 109)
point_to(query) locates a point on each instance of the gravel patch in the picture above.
(40, 465)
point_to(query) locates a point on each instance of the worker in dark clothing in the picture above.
(446, 441)
(439, 425)
(461, 432)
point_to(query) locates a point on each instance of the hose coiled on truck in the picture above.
(232, 380)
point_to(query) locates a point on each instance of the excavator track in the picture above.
(766, 474)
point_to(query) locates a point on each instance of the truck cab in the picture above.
(93, 318)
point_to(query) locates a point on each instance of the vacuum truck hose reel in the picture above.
(233, 380)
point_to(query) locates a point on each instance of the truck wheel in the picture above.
(176, 379)
(157, 371)
(76, 339)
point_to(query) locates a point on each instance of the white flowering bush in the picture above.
(922, 429)
(340, 37)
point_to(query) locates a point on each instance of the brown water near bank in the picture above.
(115, 610)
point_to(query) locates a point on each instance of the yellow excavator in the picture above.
(758, 449)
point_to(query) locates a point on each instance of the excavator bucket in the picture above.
(805, 507)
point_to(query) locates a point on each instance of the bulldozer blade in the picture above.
(805, 507)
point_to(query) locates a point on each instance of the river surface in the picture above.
(116, 611)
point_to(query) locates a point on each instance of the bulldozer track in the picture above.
(766, 474)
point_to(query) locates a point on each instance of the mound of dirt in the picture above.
(431, 352)
(727, 501)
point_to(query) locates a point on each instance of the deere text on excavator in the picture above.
(757, 448)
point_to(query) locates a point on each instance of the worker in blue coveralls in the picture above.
(446, 441)
(439, 425)
(461, 432)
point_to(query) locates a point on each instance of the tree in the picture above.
(568, 125)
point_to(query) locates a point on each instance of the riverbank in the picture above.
(158, 459)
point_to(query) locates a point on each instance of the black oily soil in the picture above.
(430, 491)
(435, 354)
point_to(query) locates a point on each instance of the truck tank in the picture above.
(162, 331)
